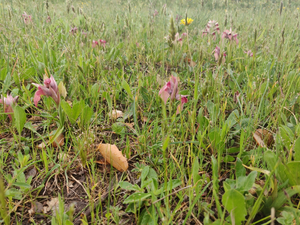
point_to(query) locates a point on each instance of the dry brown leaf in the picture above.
(192, 63)
(115, 114)
(35, 118)
(112, 155)
(41, 146)
(70, 103)
(130, 125)
(263, 138)
(59, 141)
(36, 207)
(53, 205)
(32, 172)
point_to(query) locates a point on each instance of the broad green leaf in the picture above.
(29, 126)
(125, 85)
(148, 216)
(293, 174)
(232, 118)
(239, 169)
(152, 174)
(67, 109)
(195, 171)
(20, 117)
(145, 173)
(72, 113)
(271, 161)
(22, 185)
(245, 183)
(234, 203)
(166, 143)
(86, 115)
(297, 150)
(128, 186)
(136, 197)
(282, 196)
(7, 82)
(108, 99)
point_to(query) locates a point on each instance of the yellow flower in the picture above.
(298, 8)
(189, 21)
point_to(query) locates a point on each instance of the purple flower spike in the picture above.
(49, 88)
(183, 100)
(102, 43)
(228, 34)
(249, 53)
(212, 27)
(27, 18)
(73, 30)
(170, 90)
(95, 44)
(8, 103)
(217, 54)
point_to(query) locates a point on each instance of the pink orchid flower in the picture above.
(48, 19)
(212, 27)
(95, 44)
(228, 34)
(178, 38)
(170, 90)
(249, 53)
(183, 100)
(8, 103)
(155, 13)
(49, 88)
(27, 18)
(217, 53)
(73, 30)
(102, 43)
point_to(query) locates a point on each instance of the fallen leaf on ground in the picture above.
(53, 205)
(115, 114)
(130, 125)
(36, 207)
(59, 141)
(41, 146)
(31, 173)
(263, 138)
(35, 118)
(112, 155)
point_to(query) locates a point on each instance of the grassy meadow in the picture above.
(200, 97)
